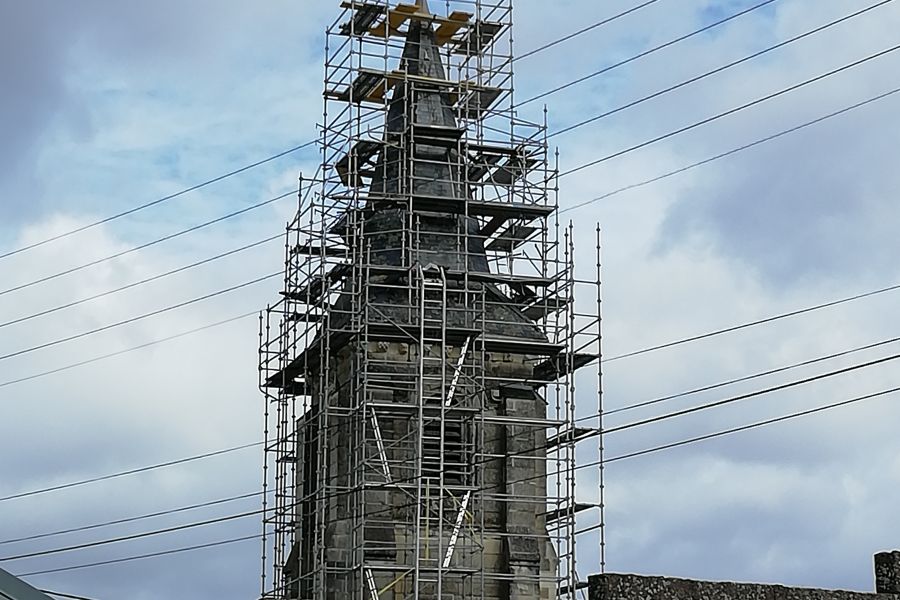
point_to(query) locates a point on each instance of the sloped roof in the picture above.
(13, 588)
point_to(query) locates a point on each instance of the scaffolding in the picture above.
(419, 369)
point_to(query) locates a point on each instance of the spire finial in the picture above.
(423, 6)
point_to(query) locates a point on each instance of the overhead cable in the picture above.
(140, 317)
(134, 536)
(135, 471)
(600, 23)
(148, 244)
(723, 433)
(143, 556)
(141, 282)
(766, 373)
(126, 350)
(754, 394)
(701, 76)
(732, 111)
(277, 155)
(732, 152)
(749, 324)
(650, 51)
(158, 201)
(122, 521)
(61, 595)
(756, 425)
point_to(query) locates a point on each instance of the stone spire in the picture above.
(436, 169)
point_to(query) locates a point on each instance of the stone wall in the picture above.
(638, 587)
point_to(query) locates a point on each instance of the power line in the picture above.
(732, 152)
(153, 313)
(732, 111)
(69, 271)
(606, 461)
(61, 595)
(672, 343)
(126, 350)
(135, 536)
(148, 244)
(141, 282)
(132, 519)
(650, 51)
(748, 427)
(754, 394)
(724, 330)
(281, 154)
(605, 21)
(721, 384)
(158, 201)
(143, 556)
(611, 430)
(700, 77)
(620, 190)
(128, 472)
(619, 357)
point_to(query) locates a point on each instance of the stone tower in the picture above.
(422, 354)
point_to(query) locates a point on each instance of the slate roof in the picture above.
(13, 588)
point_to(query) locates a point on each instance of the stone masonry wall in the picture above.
(639, 587)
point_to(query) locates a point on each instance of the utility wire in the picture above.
(733, 151)
(747, 325)
(746, 427)
(754, 394)
(656, 347)
(702, 76)
(153, 313)
(128, 472)
(61, 595)
(158, 201)
(135, 536)
(657, 94)
(131, 519)
(619, 357)
(650, 51)
(141, 282)
(766, 373)
(281, 154)
(601, 23)
(606, 461)
(148, 244)
(486, 459)
(732, 111)
(565, 210)
(126, 350)
(143, 556)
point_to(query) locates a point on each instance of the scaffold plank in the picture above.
(356, 165)
(564, 364)
(510, 239)
(542, 307)
(364, 17)
(567, 511)
(451, 547)
(570, 436)
(371, 85)
(446, 30)
(480, 36)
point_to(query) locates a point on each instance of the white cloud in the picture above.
(165, 102)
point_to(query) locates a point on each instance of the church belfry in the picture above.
(419, 368)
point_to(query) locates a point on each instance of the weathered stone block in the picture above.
(887, 572)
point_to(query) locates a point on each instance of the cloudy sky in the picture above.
(109, 105)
